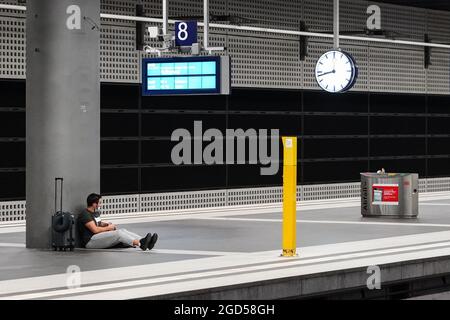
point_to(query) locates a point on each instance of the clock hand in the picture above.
(332, 71)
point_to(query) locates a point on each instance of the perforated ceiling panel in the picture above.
(185, 8)
(403, 22)
(11, 13)
(267, 13)
(438, 26)
(394, 70)
(352, 15)
(126, 8)
(318, 15)
(153, 8)
(218, 7)
(119, 60)
(438, 74)
(12, 53)
(265, 63)
(261, 59)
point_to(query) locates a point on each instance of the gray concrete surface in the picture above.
(243, 233)
(199, 237)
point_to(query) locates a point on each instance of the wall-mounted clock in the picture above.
(336, 71)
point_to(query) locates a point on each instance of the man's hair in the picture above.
(93, 198)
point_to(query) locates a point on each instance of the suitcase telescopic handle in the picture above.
(56, 193)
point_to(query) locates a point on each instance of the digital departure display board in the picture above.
(185, 75)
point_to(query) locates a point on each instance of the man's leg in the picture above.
(132, 234)
(150, 243)
(109, 239)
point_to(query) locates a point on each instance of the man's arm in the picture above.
(94, 229)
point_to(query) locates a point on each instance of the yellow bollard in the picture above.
(289, 196)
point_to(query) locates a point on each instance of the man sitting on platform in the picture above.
(96, 234)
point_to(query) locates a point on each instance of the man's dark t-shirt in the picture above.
(83, 218)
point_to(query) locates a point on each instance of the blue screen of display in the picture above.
(193, 75)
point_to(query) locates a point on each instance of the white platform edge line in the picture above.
(166, 268)
(181, 279)
(253, 277)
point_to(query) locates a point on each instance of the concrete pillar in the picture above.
(62, 109)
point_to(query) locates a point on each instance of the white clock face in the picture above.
(336, 71)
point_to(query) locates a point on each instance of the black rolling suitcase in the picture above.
(63, 224)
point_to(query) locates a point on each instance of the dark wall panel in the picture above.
(397, 147)
(157, 151)
(332, 125)
(163, 125)
(397, 103)
(439, 146)
(213, 103)
(439, 125)
(264, 100)
(318, 101)
(439, 167)
(12, 154)
(397, 125)
(12, 94)
(119, 152)
(439, 104)
(116, 96)
(329, 172)
(240, 175)
(335, 148)
(119, 125)
(12, 124)
(12, 185)
(119, 181)
(173, 178)
(136, 146)
(287, 124)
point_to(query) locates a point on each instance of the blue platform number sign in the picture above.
(185, 33)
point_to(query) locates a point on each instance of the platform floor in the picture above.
(222, 248)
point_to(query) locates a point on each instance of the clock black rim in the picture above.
(355, 73)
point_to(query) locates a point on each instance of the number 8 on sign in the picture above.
(182, 31)
(185, 33)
